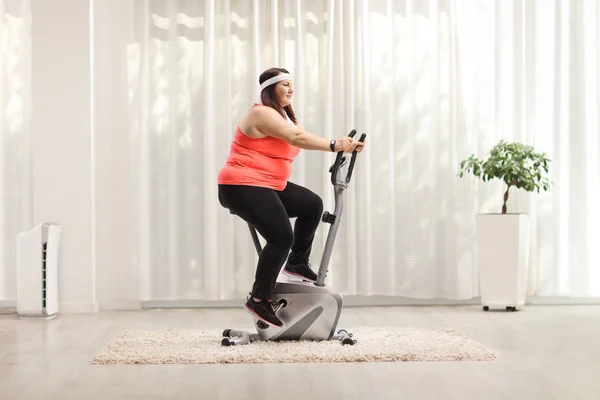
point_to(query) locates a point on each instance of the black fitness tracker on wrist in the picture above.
(332, 145)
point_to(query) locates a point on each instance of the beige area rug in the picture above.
(194, 346)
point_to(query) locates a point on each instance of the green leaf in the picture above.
(513, 163)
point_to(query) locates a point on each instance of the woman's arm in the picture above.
(269, 122)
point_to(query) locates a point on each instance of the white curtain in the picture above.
(530, 72)
(15, 162)
(430, 82)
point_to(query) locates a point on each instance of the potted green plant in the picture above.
(503, 238)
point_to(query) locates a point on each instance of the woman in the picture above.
(253, 184)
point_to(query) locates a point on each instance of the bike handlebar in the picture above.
(340, 159)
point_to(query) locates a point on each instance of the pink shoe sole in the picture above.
(294, 275)
(261, 318)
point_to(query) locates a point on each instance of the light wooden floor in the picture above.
(546, 352)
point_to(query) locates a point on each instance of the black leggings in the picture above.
(269, 211)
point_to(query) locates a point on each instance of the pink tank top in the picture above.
(264, 162)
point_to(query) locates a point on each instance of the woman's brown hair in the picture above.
(268, 97)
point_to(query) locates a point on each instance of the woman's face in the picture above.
(283, 92)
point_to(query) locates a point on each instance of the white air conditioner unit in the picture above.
(37, 271)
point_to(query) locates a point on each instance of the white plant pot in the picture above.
(503, 260)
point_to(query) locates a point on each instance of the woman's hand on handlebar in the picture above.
(348, 145)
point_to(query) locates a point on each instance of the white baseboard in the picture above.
(120, 304)
(8, 307)
(69, 308)
(566, 301)
(8, 303)
(373, 301)
(150, 304)
(384, 301)
(349, 301)
(78, 308)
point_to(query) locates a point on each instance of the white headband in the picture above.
(269, 82)
(275, 79)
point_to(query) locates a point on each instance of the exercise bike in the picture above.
(309, 311)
